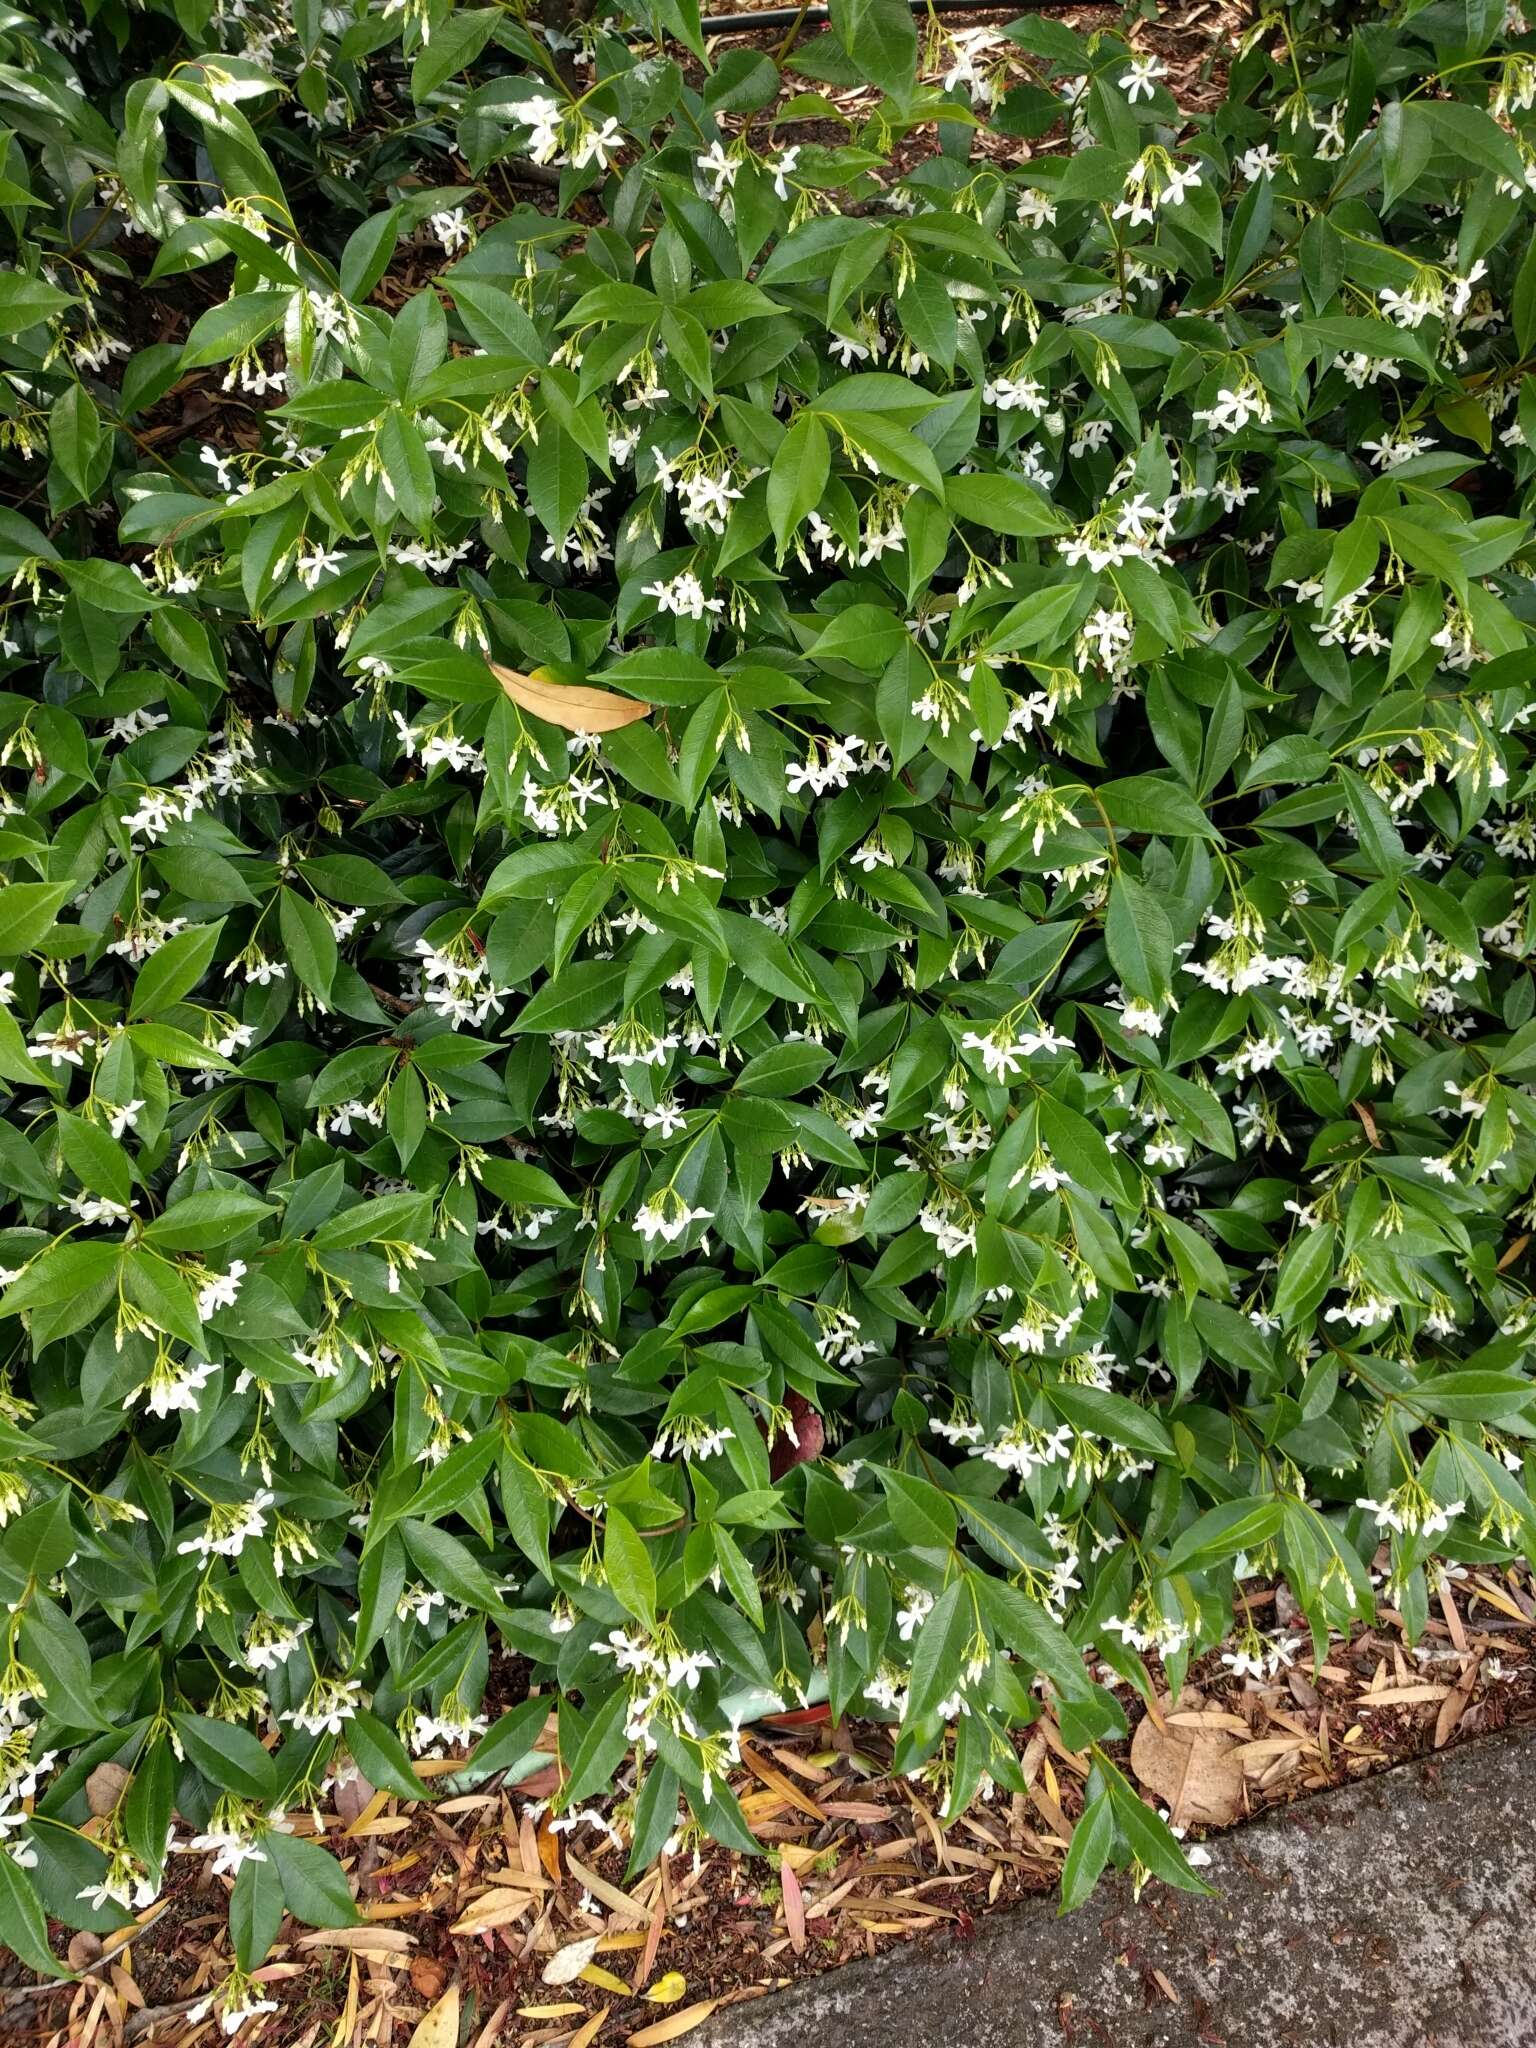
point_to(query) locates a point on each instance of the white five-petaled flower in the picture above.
(1140, 81)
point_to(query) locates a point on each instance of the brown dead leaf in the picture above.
(355, 1800)
(1367, 1118)
(376, 1941)
(105, 1787)
(569, 705)
(617, 1901)
(1191, 1768)
(549, 1848)
(440, 2027)
(776, 1781)
(491, 1910)
(491, 2031)
(1401, 1696)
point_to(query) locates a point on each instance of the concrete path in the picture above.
(1398, 1913)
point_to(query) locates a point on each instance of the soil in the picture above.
(478, 1892)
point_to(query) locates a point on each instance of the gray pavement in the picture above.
(1397, 1913)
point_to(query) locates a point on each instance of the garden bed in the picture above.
(480, 1894)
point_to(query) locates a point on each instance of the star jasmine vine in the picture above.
(766, 904)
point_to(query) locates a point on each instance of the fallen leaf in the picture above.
(617, 1901)
(1192, 1769)
(548, 2012)
(1401, 1696)
(775, 1779)
(1452, 1709)
(567, 1963)
(493, 1909)
(669, 1989)
(605, 1980)
(355, 1798)
(439, 2028)
(593, 2027)
(376, 1940)
(569, 705)
(348, 2017)
(674, 2025)
(801, 1442)
(491, 2031)
(647, 1961)
(794, 1907)
(105, 1787)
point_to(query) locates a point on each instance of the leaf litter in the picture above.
(483, 1928)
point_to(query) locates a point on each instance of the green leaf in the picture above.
(1224, 1532)
(224, 330)
(407, 466)
(175, 969)
(882, 39)
(255, 1910)
(315, 1888)
(1140, 941)
(380, 1756)
(1146, 803)
(1092, 1840)
(27, 913)
(1002, 504)
(596, 1754)
(23, 1927)
(798, 476)
(1125, 1422)
(309, 945)
(229, 1756)
(919, 1513)
(445, 1562)
(27, 301)
(627, 1568)
(199, 1222)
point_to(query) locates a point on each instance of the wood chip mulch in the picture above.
(484, 1922)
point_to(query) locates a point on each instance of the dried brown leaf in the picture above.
(357, 1800)
(381, 1940)
(1191, 1768)
(610, 1895)
(493, 1909)
(1401, 1696)
(776, 1781)
(571, 706)
(105, 1787)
